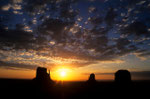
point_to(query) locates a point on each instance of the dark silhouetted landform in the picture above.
(42, 77)
(123, 77)
(41, 74)
(91, 80)
(41, 87)
(92, 77)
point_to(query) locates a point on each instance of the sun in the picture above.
(63, 73)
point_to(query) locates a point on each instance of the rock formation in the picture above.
(123, 77)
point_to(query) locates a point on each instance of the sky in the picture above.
(77, 36)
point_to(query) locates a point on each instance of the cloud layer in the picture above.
(59, 29)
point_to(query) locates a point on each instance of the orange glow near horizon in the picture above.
(17, 74)
(61, 74)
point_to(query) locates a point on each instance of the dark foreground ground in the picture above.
(29, 89)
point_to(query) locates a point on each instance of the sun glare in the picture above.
(62, 73)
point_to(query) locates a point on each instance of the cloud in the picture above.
(113, 61)
(17, 65)
(16, 7)
(9, 6)
(6, 7)
(145, 54)
(17, 12)
(58, 31)
(17, 1)
(82, 64)
(54, 28)
(140, 57)
(96, 20)
(141, 75)
(142, 54)
(110, 16)
(92, 9)
(137, 28)
(34, 21)
(122, 43)
(141, 2)
(16, 38)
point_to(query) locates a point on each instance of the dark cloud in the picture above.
(122, 43)
(110, 17)
(145, 54)
(68, 14)
(55, 29)
(34, 6)
(96, 20)
(16, 38)
(17, 65)
(137, 28)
